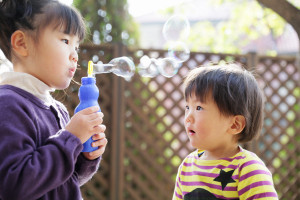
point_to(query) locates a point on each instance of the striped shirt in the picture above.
(243, 176)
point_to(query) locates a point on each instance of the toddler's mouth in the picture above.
(191, 132)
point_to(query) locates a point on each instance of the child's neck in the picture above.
(223, 153)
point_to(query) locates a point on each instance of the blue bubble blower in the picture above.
(88, 92)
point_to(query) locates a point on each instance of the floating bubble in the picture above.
(122, 66)
(168, 67)
(179, 51)
(176, 27)
(149, 71)
(145, 61)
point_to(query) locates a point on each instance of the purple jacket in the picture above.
(38, 158)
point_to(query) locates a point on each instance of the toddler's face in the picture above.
(206, 127)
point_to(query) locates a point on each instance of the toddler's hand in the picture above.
(86, 123)
(100, 142)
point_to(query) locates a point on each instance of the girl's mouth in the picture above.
(72, 71)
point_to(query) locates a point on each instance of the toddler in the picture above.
(224, 107)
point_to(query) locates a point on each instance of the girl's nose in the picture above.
(74, 59)
(74, 56)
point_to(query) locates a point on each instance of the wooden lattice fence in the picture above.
(144, 119)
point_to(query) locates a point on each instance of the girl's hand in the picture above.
(86, 123)
(100, 142)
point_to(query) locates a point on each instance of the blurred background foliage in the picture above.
(248, 21)
(108, 21)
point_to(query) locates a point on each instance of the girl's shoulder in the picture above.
(11, 95)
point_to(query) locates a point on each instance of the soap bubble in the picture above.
(168, 67)
(176, 27)
(145, 61)
(148, 71)
(179, 51)
(121, 66)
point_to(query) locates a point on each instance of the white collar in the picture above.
(28, 83)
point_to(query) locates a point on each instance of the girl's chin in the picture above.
(63, 86)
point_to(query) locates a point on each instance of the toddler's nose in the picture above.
(188, 118)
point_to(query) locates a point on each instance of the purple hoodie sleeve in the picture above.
(84, 168)
(28, 171)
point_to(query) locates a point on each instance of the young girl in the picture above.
(40, 147)
(224, 107)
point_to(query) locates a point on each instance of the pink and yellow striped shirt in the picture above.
(243, 176)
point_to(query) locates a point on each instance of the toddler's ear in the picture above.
(239, 123)
(19, 43)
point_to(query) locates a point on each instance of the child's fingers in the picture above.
(95, 115)
(98, 128)
(98, 152)
(90, 110)
(100, 142)
(95, 119)
(99, 136)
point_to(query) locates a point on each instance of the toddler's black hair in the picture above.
(234, 90)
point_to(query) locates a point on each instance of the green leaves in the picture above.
(247, 22)
(107, 21)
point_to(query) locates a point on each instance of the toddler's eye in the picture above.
(77, 49)
(65, 41)
(186, 107)
(199, 108)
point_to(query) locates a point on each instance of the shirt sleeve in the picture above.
(177, 195)
(256, 182)
(29, 170)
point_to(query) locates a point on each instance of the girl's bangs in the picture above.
(65, 18)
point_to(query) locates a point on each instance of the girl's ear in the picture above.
(19, 43)
(239, 123)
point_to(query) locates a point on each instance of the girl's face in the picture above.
(206, 127)
(53, 58)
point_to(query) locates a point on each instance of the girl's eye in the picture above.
(199, 108)
(186, 107)
(65, 41)
(77, 49)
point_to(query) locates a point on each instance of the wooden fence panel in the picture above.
(279, 143)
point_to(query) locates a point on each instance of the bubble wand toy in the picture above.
(88, 92)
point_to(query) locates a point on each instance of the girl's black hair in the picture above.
(34, 15)
(234, 90)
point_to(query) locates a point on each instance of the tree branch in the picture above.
(286, 10)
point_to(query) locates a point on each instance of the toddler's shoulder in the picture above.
(250, 161)
(192, 156)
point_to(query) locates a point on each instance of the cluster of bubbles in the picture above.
(177, 27)
(175, 30)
